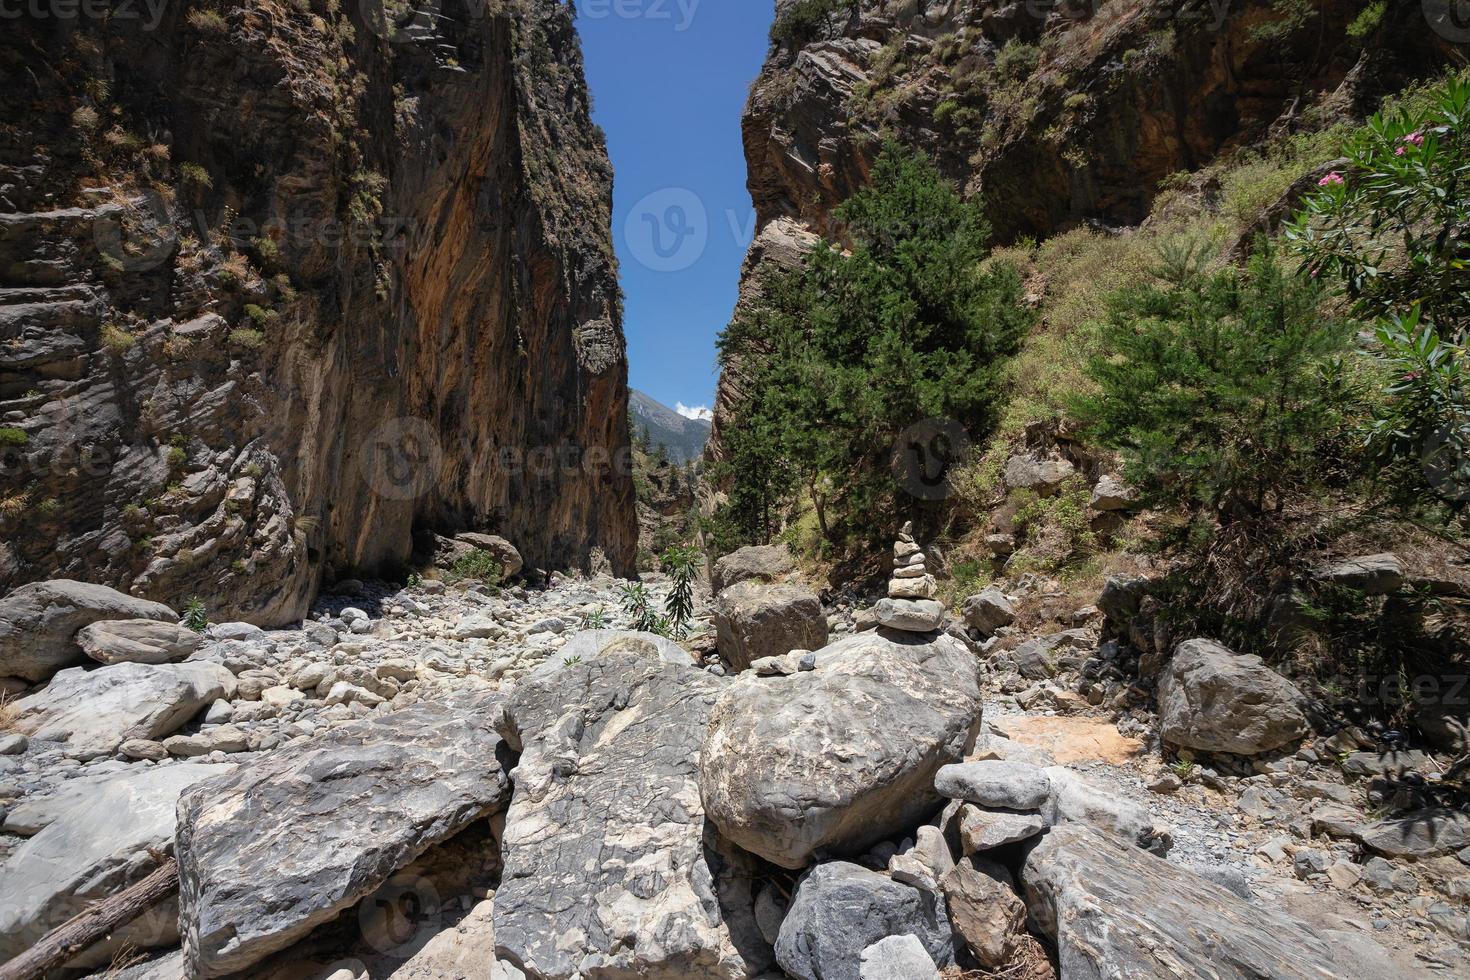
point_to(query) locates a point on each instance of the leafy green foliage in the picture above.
(681, 564)
(805, 20)
(1222, 388)
(1392, 228)
(1394, 224)
(196, 617)
(478, 564)
(638, 605)
(595, 620)
(847, 352)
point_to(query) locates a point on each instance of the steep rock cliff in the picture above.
(284, 281)
(1055, 114)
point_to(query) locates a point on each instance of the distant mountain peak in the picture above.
(683, 436)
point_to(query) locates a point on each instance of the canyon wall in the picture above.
(1054, 114)
(284, 282)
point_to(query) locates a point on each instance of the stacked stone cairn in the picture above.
(910, 606)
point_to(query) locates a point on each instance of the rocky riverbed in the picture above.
(471, 780)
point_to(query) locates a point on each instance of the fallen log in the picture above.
(76, 934)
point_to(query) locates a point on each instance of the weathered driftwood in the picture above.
(81, 931)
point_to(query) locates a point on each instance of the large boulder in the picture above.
(274, 850)
(841, 909)
(505, 552)
(105, 843)
(588, 645)
(611, 868)
(137, 641)
(95, 711)
(988, 610)
(761, 563)
(1213, 699)
(754, 620)
(843, 756)
(39, 623)
(1116, 911)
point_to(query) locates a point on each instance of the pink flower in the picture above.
(1416, 138)
(1330, 179)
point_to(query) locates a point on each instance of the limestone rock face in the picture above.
(765, 563)
(611, 868)
(413, 322)
(843, 756)
(39, 624)
(97, 848)
(138, 641)
(841, 909)
(96, 711)
(270, 852)
(755, 619)
(1117, 911)
(1213, 699)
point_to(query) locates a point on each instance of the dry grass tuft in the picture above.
(9, 713)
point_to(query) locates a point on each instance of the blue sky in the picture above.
(669, 80)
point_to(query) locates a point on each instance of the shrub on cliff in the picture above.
(1222, 389)
(857, 347)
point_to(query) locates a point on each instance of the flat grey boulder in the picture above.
(1418, 835)
(910, 615)
(588, 645)
(763, 563)
(274, 850)
(39, 623)
(841, 909)
(94, 850)
(843, 756)
(983, 829)
(1213, 699)
(760, 619)
(995, 783)
(137, 641)
(987, 611)
(95, 711)
(1372, 574)
(1116, 911)
(611, 868)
